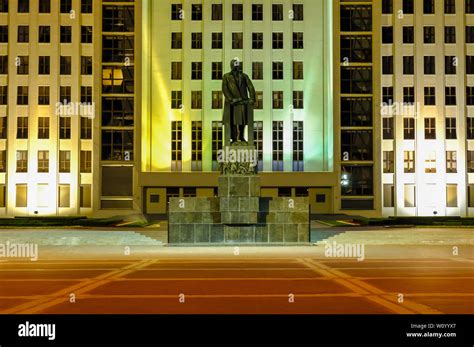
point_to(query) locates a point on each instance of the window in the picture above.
(258, 141)
(217, 70)
(449, 34)
(387, 125)
(257, 70)
(43, 95)
(388, 162)
(470, 128)
(45, 6)
(176, 40)
(409, 95)
(430, 96)
(196, 100)
(410, 195)
(64, 196)
(64, 161)
(387, 95)
(470, 6)
(217, 97)
(470, 96)
(428, 7)
(470, 161)
(23, 67)
(43, 161)
(429, 34)
(450, 65)
(44, 34)
(429, 65)
(22, 95)
(298, 12)
(278, 70)
(388, 195)
(216, 11)
(277, 12)
(430, 128)
(86, 6)
(216, 40)
(430, 162)
(23, 34)
(65, 34)
(86, 128)
(408, 6)
(176, 146)
(257, 40)
(469, 64)
(196, 40)
(85, 196)
(176, 11)
(176, 70)
(196, 12)
(298, 99)
(451, 162)
(409, 161)
(451, 129)
(86, 34)
(408, 34)
(237, 12)
(259, 102)
(196, 71)
(409, 128)
(408, 65)
(22, 161)
(21, 195)
(451, 195)
(277, 164)
(176, 99)
(44, 65)
(65, 6)
(237, 41)
(65, 128)
(3, 64)
(257, 12)
(4, 6)
(298, 70)
(3, 95)
(3, 128)
(450, 96)
(3, 33)
(387, 65)
(449, 6)
(387, 34)
(298, 41)
(23, 6)
(278, 100)
(86, 162)
(43, 128)
(217, 138)
(298, 147)
(86, 65)
(22, 128)
(469, 34)
(3, 161)
(196, 150)
(86, 94)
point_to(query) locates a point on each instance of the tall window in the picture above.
(196, 71)
(216, 40)
(277, 12)
(65, 128)
(388, 162)
(176, 99)
(217, 12)
(387, 125)
(470, 161)
(217, 97)
(237, 12)
(217, 138)
(430, 128)
(43, 127)
(86, 128)
(43, 161)
(277, 146)
(196, 155)
(278, 70)
(298, 99)
(298, 149)
(65, 6)
(217, 71)
(298, 70)
(22, 128)
(278, 100)
(257, 12)
(64, 161)
(257, 70)
(43, 95)
(196, 99)
(176, 70)
(409, 161)
(277, 40)
(450, 96)
(22, 95)
(196, 40)
(23, 67)
(449, 6)
(258, 141)
(430, 162)
(176, 146)
(451, 129)
(3, 161)
(298, 12)
(430, 96)
(451, 162)
(86, 162)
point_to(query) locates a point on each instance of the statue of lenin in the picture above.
(239, 94)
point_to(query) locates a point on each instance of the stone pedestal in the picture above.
(239, 215)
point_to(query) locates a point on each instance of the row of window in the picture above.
(429, 65)
(450, 97)
(409, 130)
(410, 195)
(217, 144)
(430, 166)
(44, 196)
(217, 41)
(217, 100)
(296, 14)
(44, 6)
(44, 162)
(217, 70)
(44, 65)
(44, 95)
(44, 34)
(429, 34)
(408, 6)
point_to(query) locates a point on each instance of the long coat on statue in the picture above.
(236, 89)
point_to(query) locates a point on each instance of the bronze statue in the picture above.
(240, 99)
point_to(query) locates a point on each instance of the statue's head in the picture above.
(235, 64)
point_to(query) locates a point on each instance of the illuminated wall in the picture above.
(157, 85)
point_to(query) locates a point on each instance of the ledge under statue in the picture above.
(239, 215)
